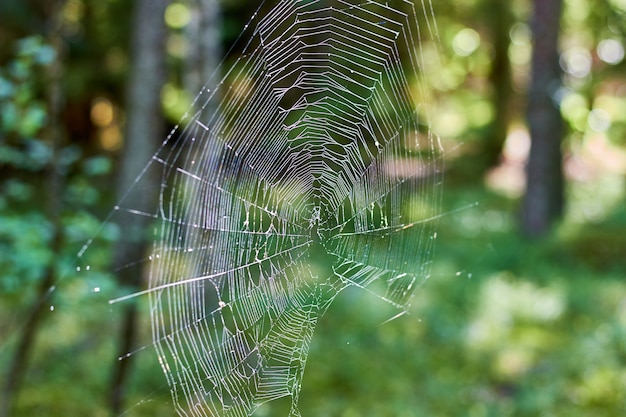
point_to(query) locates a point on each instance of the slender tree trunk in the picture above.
(205, 45)
(54, 204)
(500, 21)
(144, 131)
(544, 198)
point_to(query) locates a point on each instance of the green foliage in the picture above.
(23, 113)
(25, 237)
(28, 231)
(504, 327)
(24, 250)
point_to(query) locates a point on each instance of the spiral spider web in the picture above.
(310, 169)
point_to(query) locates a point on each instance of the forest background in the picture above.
(525, 311)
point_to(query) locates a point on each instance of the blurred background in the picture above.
(525, 310)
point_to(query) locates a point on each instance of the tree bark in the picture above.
(144, 131)
(544, 198)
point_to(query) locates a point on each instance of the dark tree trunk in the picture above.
(55, 183)
(544, 198)
(145, 130)
(500, 21)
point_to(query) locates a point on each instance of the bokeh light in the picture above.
(102, 112)
(576, 62)
(110, 138)
(611, 51)
(599, 120)
(466, 42)
(177, 15)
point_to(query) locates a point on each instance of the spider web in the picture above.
(311, 168)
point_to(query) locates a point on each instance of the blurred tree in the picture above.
(499, 19)
(544, 198)
(144, 131)
(205, 45)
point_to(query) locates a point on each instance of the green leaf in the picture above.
(7, 89)
(34, 119)
(99, 165)
(11, 156)
(45, 55)
(9, 117)
(39, 154)
(20, 69)
(18, 190)
(69, 155)
(28, 46)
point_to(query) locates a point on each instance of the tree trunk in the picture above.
(544, 198)
(205, 45)
(144, 131)
(500, 21)
(54, 203)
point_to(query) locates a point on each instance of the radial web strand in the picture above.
(314, 170)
